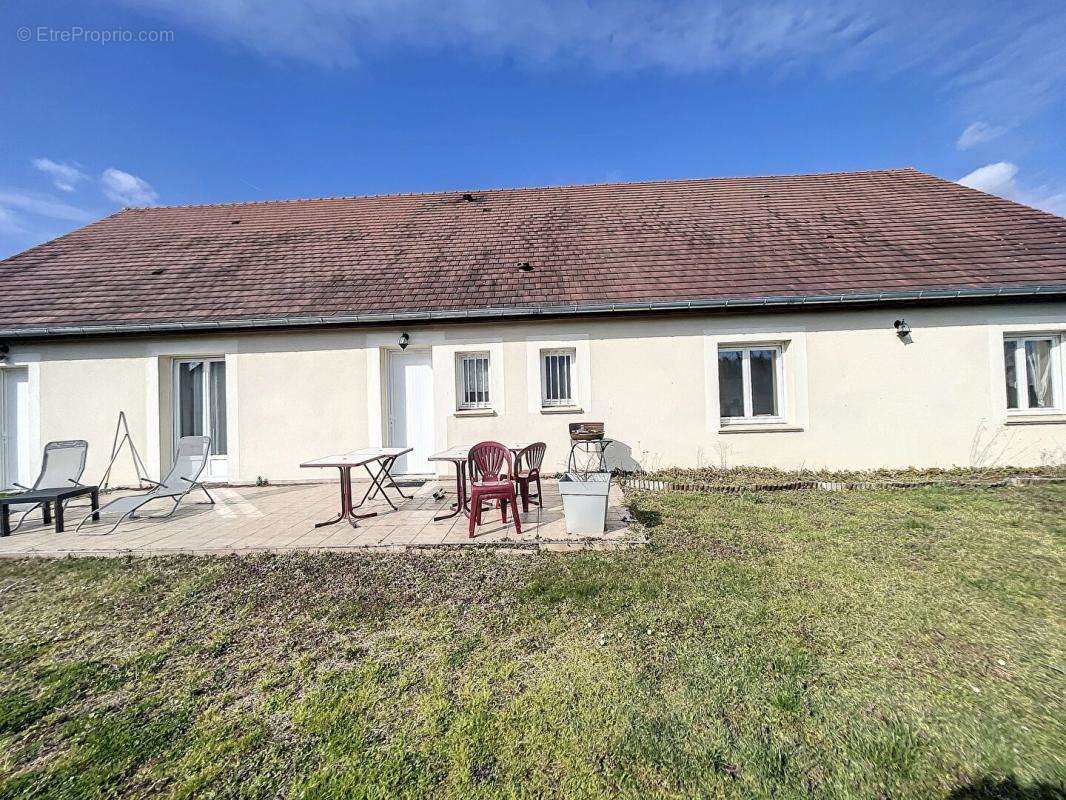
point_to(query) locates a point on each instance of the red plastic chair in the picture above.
(491, 478)
(527, 470)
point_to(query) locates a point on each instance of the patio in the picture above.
(282, 518)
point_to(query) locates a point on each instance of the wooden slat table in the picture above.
(384, 457)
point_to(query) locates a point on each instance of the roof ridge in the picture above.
(470, 190)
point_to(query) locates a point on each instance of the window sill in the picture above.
(476, 412)
(1057, 418)
(561, 410)
(766, 427)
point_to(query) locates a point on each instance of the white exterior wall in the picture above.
(298, 397)
(855, 395)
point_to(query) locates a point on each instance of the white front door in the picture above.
(200, 408)
(411, 409)
(16, 460)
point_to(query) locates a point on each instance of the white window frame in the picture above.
(1021, 370)
(562, 402)
(779, 384)
(460, 378)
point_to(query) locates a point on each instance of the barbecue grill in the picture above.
(586, 431)
(587, 440)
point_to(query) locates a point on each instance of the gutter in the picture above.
(769, 302)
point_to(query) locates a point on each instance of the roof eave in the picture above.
(478, 314)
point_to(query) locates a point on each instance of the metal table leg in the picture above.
(460, 491)
(386, 470)
(377, 486)
(346, 501)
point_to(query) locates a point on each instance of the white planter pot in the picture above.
(585, 501)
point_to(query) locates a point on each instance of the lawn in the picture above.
(889, 643)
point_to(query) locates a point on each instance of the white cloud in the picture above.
(28, 218)
(42, 206)
(692, 34)
(1001, 179)
(995, 60)
(64, 176)
(973, 46)
(127, 189)
(9, 223)
(995, 178)
(1019, 69)
(978, 133)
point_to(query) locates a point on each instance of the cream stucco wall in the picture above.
(80, 395)
(855, 395)
(300, 397)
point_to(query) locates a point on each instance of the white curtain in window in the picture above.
(1038, 367)
(217, 398)
(763, 371)
(190, 399)
(1010, 368)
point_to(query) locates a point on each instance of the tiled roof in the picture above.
(446, 253)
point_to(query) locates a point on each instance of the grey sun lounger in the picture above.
(184, 476)
(61, 468)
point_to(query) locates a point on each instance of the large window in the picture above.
(556, 378)
(1032, 365)
(473, 380)
(749, 383)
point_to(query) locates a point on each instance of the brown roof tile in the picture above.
(659, 242)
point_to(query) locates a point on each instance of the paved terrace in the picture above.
(282, 518)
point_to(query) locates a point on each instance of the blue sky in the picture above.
(229, 100)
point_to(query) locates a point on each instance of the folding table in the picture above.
(384, 457)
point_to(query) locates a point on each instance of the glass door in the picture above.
(200, 407)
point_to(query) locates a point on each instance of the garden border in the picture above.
(646, 483)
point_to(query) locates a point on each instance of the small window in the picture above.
(556, 378)
(1032, 368)
(749, 383)
(473, 380)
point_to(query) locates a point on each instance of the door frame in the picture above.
(218, 467)
(390, 354)
(5, 374)
(3, 429)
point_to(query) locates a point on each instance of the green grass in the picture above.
(885, 644)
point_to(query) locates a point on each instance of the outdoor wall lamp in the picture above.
(4, 350)
(903, 330)
(404, 341)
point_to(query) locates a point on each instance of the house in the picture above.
(884, 318)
